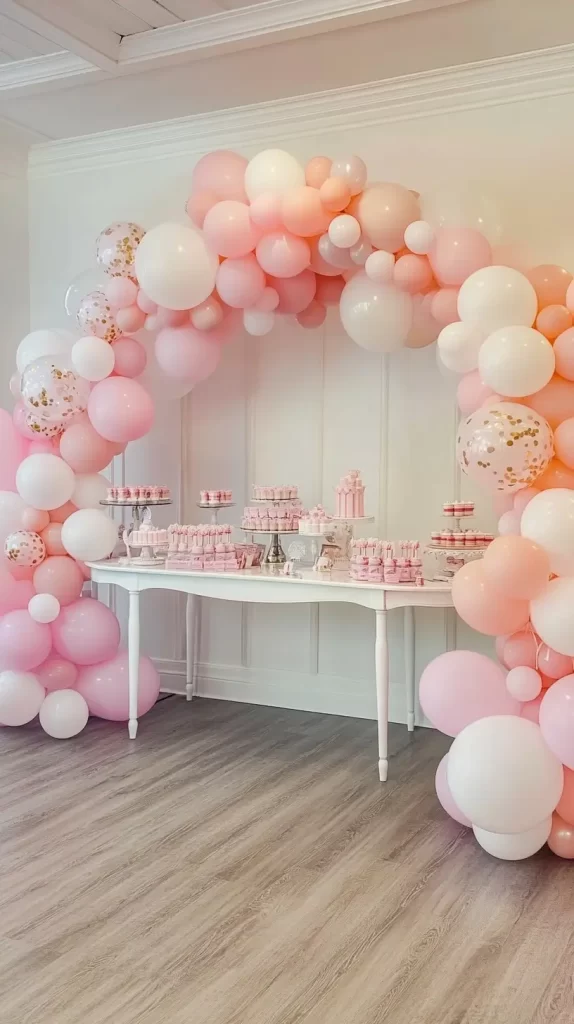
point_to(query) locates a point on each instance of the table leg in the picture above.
(190, 644)
(133, 660)
(409, 645)
(382, 684)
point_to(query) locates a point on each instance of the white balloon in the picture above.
(63, 714)
(502, 775)
(42, 343)
(497, 297)
(459, 345)
(44, 481)
(419, 237)
(377, 317)
(44, 608)
(21, 696)
(11, 508)
(548, 519)
(344, 231)
(360, 252)
(175, 267)
(273, 170)
(92, 358)
(552, 614)
(89, 535)
(380, 266)
(516, 361)
(258, 323)
(89, 490)
(516, 845)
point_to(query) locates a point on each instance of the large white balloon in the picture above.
(45, 481)
(89, 490)
(64, 713)
(89, 535)
(502, 775)
(548, 519)
(459, 345)
(516, 845)
(38, 344)
(174, 266)
(44, 608)
(21, 696)
(93, 358)
(273, 170)
(516, 361)
(552, 615)
(11, 508)
(377, 317)
(497, 297)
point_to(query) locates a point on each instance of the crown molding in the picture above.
(52, 68)
(471, 86)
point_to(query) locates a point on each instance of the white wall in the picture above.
(308, 406)
(14, 283)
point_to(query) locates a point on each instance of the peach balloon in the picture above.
(553, 664)
(329, 289)
(550, 283)
(197, 207)
(520, 649)
(565, 806)
(303, 212)
(555, 401)
(52, 537)
(84, 449)
(553, 320)
(444, 306)
(60, 576)
(457, 253)
(521, 498)
(561, 838)
(318, 170)
(564, 354)
(482, 606)
(412, 273)
(555, 475)
(34, 519)
(516, 566)
(335, 194)
(384, 211)
(282, 254)
(312, 316)
(60, 514)
(295, 293)
(564, 442)
(266, 211)
(471, 393)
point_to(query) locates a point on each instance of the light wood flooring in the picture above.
(243, 865)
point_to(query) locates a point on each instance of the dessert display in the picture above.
(287, 492)
(148, 535)
(270, 519)
(201, 547)
(350, 496)
(139, 493)
(458, 509)
(316, 522)
(383, 561)
(460, 539)
(210, 498)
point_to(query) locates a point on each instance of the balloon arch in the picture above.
(270, 237)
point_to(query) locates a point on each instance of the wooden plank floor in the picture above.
(243, 865)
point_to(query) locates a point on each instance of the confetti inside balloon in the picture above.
(53, 392)
(43, 428)
(505, 446)
(95, 316)
(116, 249)
(24, 548)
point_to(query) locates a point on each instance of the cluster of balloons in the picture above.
(510, 771)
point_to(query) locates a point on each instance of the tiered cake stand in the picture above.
(138, 507)
(274, 554)
(215, 509)
(448, 559)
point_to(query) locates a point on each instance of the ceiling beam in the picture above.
(58, 22)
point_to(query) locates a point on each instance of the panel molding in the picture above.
(542, 73)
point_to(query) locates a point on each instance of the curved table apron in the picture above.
(252, 585)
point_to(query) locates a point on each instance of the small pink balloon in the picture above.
(471, 393)
(63, 512)
(445, 796)
(459, 687)
(531, 709)
(329, 289)
(24, 643)
(444, 306)
(146, 304)
(56, 674)
(268, 301)
(523, 683)
(105, 687)
(280, 254)
(312, 316)
(553, 320)
(412, 273)
(457, 253)
(303, 212)
(509, 524)
(553, 664)
(240, 282)
(335, 194)
(561, 838)
(353, 171)
(198, 206)
(130, 358)
(520, 649)
(207, 315)
(228, 229)
(222, 172)
(318, 170)
(86, 632)
(14, 594)
(564, 354)
(120, 292)
(120, 409)
(266, 211)
(295, 293)
(557, 719)
(60, 576)
(34, 519)
(185, 352)
(52, 537)
(83, 448)
(129, 320)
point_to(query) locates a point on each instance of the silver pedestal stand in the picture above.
(138, 508)
(214, 509)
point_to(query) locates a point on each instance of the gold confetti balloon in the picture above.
(52, 392)
(43, 428)
(23, 547)
(116, 248)
(95, 316)
(504, 446)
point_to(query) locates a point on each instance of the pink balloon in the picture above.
(303, 212)
(520, 649)
(86, 632)
(328, 290)
(146, 304)
(268, 301)
(228, 229)
(353, 170)
(120, 292)
(84, 449)
(52, 537)
(63, 512)
(207, 315)
(564, 442)
(557, 719)
(312, 316)
(412, 273)
(531, 709)
(105, 687)
(459, 687)
(334, 256)
(444, 306)
(240, 282)
(550, 283)
(564, 354)
(553, 320)
(471, 393)
(120, 409)
(553, 664)
(197, 207)
(56, 674)
(222, 172)
(482, 606)
(14, 594)
(318, 262)
(523, 683)
(523, 497)
(60, 576)
(555, 401)
(295, 293)
(129, 320)
(509, 524)
(13, 449)
(458, 252)
(503, 503)
(516, 566)
(317, 170)
(34, 519)
(281, 254)
(130, 358)
(266, 211)
(170, 317)
(24, 644)
(445, 796)
(185, 352)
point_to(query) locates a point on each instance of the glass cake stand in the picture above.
(274, 554)
(215, 508)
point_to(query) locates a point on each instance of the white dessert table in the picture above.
(269, 587)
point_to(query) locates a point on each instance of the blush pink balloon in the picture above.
(459, 687)
(266, 211)
(84, 449)
(531, 709)
(482, 606)
(170, 317)
(444, 306)
(520, 649)
(47, 447)
(445, 796)
(564, 354)
(240, 282)
(312, 316)
(329, 289)
(471, 393)
(553, 664)
(523, 497)
(130, 319)
(63, 512)
(14, 594)
(281, 254)
(24, 643)
(550, 283)
(553, 320)
(120, 409)
(557, 719)
(303, 212)
(317, 170)
(146, 304)
(56, 674)
(412, 273)
(52, 537)
(120, 292)
(34, 519)
(457, 253)
(295, 293)
(222, 172)
(268, 302)
(554, 402)
(523, 683)
(228, 229)
(185, 352)
(105, 687)
(60, 576)
(86, 632)
(197, 207)
(335, 194)
(130, 358)
(207, 315)
(509, 524)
